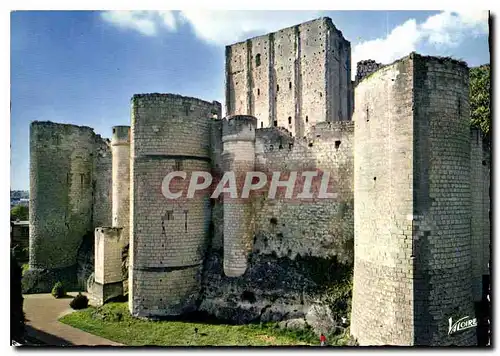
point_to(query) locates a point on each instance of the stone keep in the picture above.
(293, 78)
(412, 229)
(168, 238)
(238, 137)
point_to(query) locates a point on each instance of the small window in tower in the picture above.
(289, 85)
(275, 123)
(278, 87)
(257, 60)
(261, 124)
(307, 119)
(258, 91)
(185, 220)
(289, 120)
(170, 215)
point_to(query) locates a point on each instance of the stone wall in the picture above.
(442, 199)
(69, 195)
(412, 229)
(293, 78)
(365, 68)
(102, 183)
(284, 279)
(383, 207)
(477, 211)
(168, 237)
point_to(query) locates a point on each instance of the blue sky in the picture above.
(83, 67)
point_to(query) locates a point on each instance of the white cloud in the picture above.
(443, 30)
(215, 27)
(145, 22)
(226, 27)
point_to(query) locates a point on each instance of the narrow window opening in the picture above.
(258, 91)
(320, 94)
(170, 215)
(367, 117)
(277, 88)
(289, 120)
(307, 119)
(289, 85)
(337, 144)
(275, 123)
(261, 124)
(81, 178)
(310, 145)
(257, 60)
(185, 220)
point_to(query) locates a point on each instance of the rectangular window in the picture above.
(185, 220)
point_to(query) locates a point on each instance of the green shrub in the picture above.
(79, 302)
(58, 290)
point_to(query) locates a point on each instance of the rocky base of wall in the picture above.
(291, 292)
(43, 280)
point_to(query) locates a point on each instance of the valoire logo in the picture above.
(460, 324)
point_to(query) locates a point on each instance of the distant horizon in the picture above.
(83, 67)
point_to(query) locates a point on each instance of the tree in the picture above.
(20, 212)
(480, 98)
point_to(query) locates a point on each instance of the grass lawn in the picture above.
(114, 322)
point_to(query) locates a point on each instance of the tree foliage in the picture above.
(20, 212)
(480, 97)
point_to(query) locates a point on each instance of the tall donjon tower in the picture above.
(293, 78)
(169, 133)
(412, 213)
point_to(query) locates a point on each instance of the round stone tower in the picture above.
(238, 156)
(61, 164)
(168, 237)
(120, 148)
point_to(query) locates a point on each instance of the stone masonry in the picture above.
(407, 220)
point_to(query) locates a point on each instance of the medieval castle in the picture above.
(410, 222)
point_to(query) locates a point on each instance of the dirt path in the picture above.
(42, 314)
